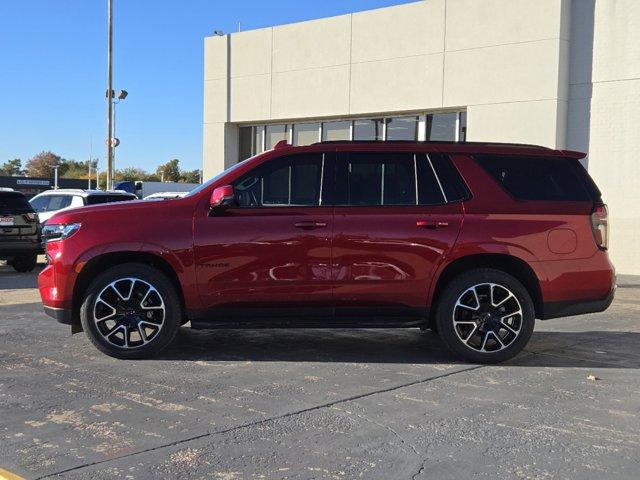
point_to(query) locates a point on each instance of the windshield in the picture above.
(200, 188)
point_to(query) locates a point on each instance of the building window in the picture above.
(275, 134)
(402, 128)
(306, 133)
(368, 129)
(462, 135)
(336, 131)
(442, 126)
(245, 140)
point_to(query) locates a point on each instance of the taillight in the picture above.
(600, 225)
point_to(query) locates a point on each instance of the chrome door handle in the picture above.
(310, 225)
(431, 224)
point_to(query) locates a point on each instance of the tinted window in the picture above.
(97, 199)
(376, 178)
(290, 181)
(451, 181)
(538, 178)
(14, 203)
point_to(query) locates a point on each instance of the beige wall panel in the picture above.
(616, 52)
(318, 43)
(508, 73)
(251, 52)
(520, 122)
(215, 58)
(400, 84)
(613, 164)
(480, 23)
(401, 31)
(310, 93)
(215, 100)
(251, 98)
(213, 150)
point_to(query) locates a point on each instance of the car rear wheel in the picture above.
(485, 316)
(24, 263)
(131, 311)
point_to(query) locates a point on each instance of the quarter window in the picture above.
(286, 182)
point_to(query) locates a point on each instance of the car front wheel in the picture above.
(485, 316)
(131, 311)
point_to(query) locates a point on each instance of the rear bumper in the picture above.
(61, 315)
(571, 308)
(25, 247)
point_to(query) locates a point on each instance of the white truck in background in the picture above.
(144, 189)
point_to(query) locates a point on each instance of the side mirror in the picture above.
(222, 197)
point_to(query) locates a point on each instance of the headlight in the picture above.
(51, 233)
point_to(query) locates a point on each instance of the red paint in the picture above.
(337, 256)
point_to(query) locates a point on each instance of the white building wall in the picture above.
(604, 113)
(551, 72)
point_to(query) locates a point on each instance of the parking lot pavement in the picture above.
(298, 404)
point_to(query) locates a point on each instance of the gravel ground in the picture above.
(316, 404)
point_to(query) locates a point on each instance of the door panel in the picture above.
(392, 226)
(385, 256)
(273, 249)
(251, 258)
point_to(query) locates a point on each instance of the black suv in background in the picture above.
(19, 231)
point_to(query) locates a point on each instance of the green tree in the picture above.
(136, 174)
(12, 168)
(42, 165)
(190, 176)
(170, 171)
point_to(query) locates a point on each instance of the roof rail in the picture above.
(438, 142)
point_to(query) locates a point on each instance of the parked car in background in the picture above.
(165, 195)
(472, 240)
(19, 231)
(144, 189)
(52, 201)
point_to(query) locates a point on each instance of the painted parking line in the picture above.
(7, 475)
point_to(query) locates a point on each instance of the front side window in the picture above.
(290, 181)
(377, 178)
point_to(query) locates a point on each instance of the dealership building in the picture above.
(559, 73)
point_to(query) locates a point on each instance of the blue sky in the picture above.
(53, 72)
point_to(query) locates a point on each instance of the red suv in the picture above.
(472, 240)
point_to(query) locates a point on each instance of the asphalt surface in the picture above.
(319, 404)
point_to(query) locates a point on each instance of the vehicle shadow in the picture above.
(604, 349)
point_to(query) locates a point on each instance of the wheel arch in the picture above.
(510, 264)
(101, 262)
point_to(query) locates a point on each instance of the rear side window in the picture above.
(541, 178)
(386, 178)
(14, 203)
(97, 199)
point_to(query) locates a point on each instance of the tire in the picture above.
(116, 320)
(491, 325)
(25, 263)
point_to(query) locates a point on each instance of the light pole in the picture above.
(110, 165)
(55, 176)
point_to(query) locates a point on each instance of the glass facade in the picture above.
(437, 126)
(306, 133)
(336, 130)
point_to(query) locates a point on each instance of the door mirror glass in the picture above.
(222, 197)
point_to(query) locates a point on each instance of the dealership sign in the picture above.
(44, 183)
